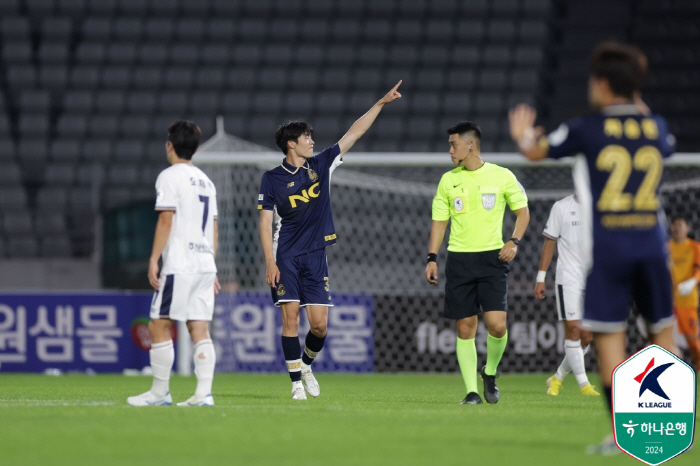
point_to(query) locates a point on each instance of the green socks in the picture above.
(466, 356)
(494, 351)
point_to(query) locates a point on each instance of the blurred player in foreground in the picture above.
(297, 269)
(563, 231)
(187, 238)
(473, 197)
(617, 179)
(685, 260)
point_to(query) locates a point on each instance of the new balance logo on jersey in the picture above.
(305, 195)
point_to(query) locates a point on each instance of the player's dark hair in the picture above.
(675, 218)
(185, 137)
(290, 131)
(467, 127)
(623, 66)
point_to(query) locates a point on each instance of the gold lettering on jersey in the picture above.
(650, 129)
(613, 127)
(632, 130)
(643, 221)
(330, 237)
(290, 185)
(305, 196)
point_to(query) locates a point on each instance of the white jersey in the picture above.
(187, 191)
(566, 226)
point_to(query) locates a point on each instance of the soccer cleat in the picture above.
(298, 392)
(472, 398)
(553, 386)
(310, 383)
(490, 389)
(192, 401)
(607, 447)
(589, 390)
(149, 399)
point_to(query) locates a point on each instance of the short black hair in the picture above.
(185, 137)
(290, 131)
(675, 218)
(624, 66)
(464, 127)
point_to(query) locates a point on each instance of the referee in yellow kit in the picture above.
(473, 196)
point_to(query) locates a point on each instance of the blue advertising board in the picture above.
(103, 332)
(248, 328)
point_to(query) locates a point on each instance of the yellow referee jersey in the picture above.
(475, 202)
(685, 257)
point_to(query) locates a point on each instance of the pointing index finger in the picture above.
(397, 85)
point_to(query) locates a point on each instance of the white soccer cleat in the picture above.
(298, 392)
(310, 383)
(149, 399)
(192, 401)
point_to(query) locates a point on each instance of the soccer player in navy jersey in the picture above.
(617, 176)
(298, 191)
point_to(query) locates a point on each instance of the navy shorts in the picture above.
(304, 279)
(614, 283)
(476, 281)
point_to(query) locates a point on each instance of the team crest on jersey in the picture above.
(280, 290)
(313, 176)
(488, 200)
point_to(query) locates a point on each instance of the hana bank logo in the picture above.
(649, 381)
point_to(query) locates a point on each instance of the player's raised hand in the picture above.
(539, 290)
(431, 272)
(153, 271)
(272, 274)
(392, 95)
(522, 120)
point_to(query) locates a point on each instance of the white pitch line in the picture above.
(51, 403)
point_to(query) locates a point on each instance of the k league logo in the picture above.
(653, 403)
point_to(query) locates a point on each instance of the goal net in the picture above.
(382, 214)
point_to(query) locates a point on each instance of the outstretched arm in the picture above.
(545, 260)
(524, 134)
(361, 126)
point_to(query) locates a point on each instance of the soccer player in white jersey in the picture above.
(298, 191)
(564, 231)
(187, 238)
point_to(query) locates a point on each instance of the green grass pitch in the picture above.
(377, 419)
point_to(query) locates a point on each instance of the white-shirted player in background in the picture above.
(187, 238)
(564, 229)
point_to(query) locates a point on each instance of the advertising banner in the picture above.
(101, 332)
(248, 328)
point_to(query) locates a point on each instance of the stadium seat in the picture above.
(267, 103)
(52, 199)
(55, 245)
(425, 102)
(64, 151)
(493, 79)
(457, 103)
(134, 126)
(469, 31)
(304, 78)
(220, 30)
(173, 102)
(10, 175)
(497, 55)
(337, 55)
(103, 126)
(338, 78)
(85, 77)
(122, 174)
(8, 8)
(316, 30)
(110, 101)
(17, 223)
(129, 28)
(204, 102)
(17, 52)
(371, 55)
(215, 54)
(78, 102)
(56, 28)
(241, 78)
(13, 198)
(115, 77)
(147, 77)
(121, 53)
(21, 77)
(190, 29)
(460, 79)
(332, 103)
(14, 28)
(247, 55)
(465, 56)
(22, 247)
(141, 103)
(34, 125)
(238, 102)
(34, 101)
(59, 174)
(366, 78)
(53, 77)
(345, 30)
(499, 31)
(92, 53)
(178, 78)
(96, 150)
(72, 8)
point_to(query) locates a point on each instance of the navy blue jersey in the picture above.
(302, 198)
(618, 175)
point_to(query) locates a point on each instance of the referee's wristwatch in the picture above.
(515, 241)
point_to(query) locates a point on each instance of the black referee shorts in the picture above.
(475, 281)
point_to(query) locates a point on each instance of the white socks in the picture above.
(162, 358)
(573, 362)
(204, 363)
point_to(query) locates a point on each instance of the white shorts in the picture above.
(569, 302)
(186, 296)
